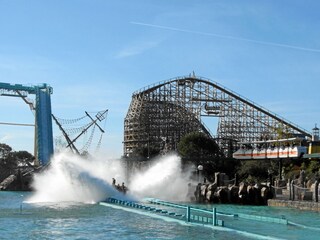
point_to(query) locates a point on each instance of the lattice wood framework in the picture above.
(161, 114)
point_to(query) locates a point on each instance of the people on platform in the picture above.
(121, 188)
(124, 189)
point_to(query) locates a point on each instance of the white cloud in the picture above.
(230, 37)
(137, 48)
(5, 138)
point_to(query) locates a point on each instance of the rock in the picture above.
(233, 194)
(266, 194)
(211, 197)
(222, 194)
(251, 194)
(212, 187)
(309, 184)
(243, 193)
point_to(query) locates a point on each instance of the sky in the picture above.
(96, 53)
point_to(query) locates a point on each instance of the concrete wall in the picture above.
(302, 205)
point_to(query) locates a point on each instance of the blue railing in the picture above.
(192, 214)
(181, 212)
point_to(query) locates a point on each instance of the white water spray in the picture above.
(163, 179)
(71, 178)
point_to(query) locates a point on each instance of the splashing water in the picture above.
(71, 178)
(163, 179)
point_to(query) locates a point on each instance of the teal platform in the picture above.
(195, 216)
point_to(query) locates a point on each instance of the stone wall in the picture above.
(302, 205)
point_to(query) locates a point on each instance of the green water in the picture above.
(19, 220)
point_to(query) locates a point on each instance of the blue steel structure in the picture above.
(43, 121)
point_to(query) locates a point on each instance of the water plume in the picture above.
(71, 178)
(163, 179)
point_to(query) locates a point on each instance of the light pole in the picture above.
(200, 168)
(270, 172)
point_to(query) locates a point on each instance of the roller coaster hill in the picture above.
(161, 114)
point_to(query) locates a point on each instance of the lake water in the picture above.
(64, 205)
(67, 220)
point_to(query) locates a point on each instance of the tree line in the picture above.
(11, 161)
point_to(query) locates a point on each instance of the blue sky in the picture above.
(96, 53)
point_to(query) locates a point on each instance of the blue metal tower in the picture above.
(43, 121)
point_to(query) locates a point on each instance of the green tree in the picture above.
(283, 132)
(314, 166)
(6, 156)
(23, 158)
(10, 161)
(6, 165)
(197, 148)
(146, 152)
(256, 170)
(197, 144)
(5, 150)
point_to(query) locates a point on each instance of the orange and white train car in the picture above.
(259, 153)
(271, 149)
(243, 153)
(297, 151)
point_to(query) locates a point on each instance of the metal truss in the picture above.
(161, 114)
(42, 110)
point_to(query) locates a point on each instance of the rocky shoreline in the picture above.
(223, 191)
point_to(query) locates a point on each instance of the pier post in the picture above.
(214, 217)
(292, 190)
(188, 215)
(235, 179)
(316, 191)
(280, 169)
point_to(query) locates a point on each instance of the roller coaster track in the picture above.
(173, 108)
